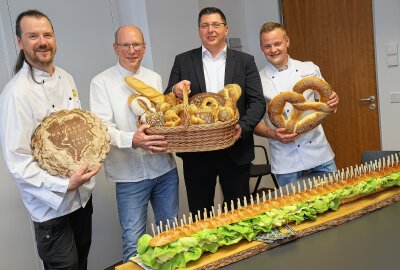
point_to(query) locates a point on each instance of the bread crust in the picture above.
(252, 210)
(294, 123)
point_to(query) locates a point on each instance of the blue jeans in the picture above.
(289, 178)
(132, 201)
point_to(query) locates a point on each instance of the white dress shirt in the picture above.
(23, 105)
(214, 70)
(311, 148)
(108, 100)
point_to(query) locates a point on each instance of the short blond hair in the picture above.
(271, 26)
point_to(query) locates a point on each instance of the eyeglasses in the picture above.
(215, 25)
(126, 46)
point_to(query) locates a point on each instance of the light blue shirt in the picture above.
(108, 100)
(23, 105)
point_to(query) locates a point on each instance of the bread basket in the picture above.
(197, 138)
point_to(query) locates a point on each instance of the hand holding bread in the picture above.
(294, 123)
(156, 109)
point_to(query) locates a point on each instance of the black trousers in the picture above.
(64, 242)
(201, 170)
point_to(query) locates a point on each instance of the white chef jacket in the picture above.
(23, 105)
(311, 148)
(108, 100)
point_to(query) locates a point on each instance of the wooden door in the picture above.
(337, 35)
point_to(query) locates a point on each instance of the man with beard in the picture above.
(61, 209)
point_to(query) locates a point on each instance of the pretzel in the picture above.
(296, 124)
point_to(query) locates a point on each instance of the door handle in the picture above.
(370, 99)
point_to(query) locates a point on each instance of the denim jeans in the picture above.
(289, 178)
(132, 201)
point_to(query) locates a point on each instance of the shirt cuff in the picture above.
(126, 139)
(56, 184)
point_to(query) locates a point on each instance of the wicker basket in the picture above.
(197, 138)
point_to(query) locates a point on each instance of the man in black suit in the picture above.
(208, 69)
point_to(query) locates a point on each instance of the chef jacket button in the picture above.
(70, 98)
(298, 145)
(287, 110)
(59, 77)
(53, 106)
(297, 70)
(310, 141)
(47, 236)
(273, 77)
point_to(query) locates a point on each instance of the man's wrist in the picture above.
(173, 89)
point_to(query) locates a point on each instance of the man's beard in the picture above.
(41, 61)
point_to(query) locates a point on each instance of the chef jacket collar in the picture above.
(40, 75)
(124, 72)
(271, 70)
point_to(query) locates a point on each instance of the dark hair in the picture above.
(21, 56)
(211, 10)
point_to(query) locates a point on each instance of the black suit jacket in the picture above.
(241, 69)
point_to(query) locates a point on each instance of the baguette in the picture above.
(144, 89)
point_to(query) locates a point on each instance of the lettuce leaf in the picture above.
(180, 252)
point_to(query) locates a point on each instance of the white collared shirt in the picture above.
(108, 100)
(23, 105)
(311, 148)
(214, 69)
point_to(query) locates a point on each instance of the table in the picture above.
(368, 242)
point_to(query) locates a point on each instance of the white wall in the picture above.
(257, 13)
(387, 31)
(173, 30)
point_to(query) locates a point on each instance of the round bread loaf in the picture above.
(67, 139)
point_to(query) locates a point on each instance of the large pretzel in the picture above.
(294, 123)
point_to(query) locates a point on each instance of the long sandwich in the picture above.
(180, 243)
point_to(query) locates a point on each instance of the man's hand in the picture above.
(152, 143)
(81, 177)
(333, 101)
(237, 133)
(177, 89)
(281, 135)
